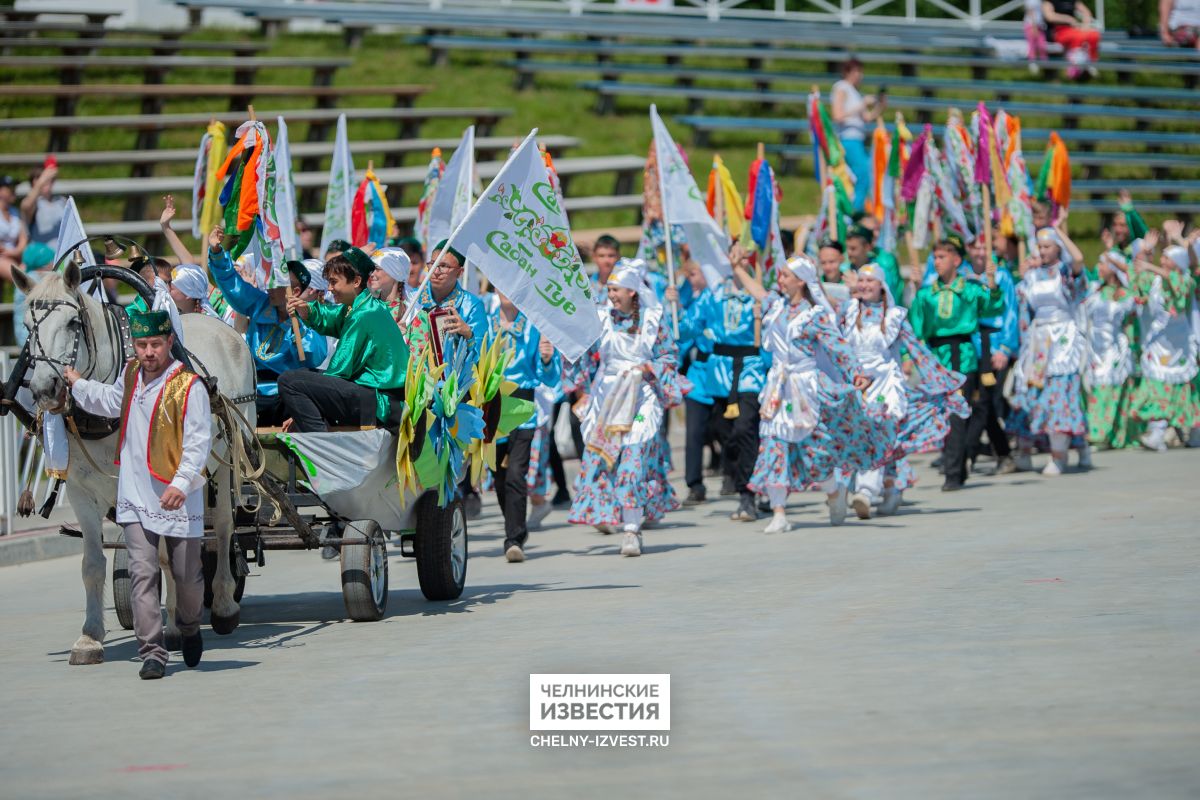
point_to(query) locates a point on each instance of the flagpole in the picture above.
(667, 229)
(411, 311)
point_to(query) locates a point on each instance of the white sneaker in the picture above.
(631, 545)
(1154, 442)
(779, 524)
(536, 515)
(1052, 467)
(861, 505)
(837, 506)
(1024, 462)
(891, 503)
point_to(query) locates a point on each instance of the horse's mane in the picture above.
(49, 287)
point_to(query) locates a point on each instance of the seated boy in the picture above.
(365, 378)
(268, 331)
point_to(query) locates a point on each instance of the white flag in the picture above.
(683, 207)
(518, 234)
(284, 193)
(453, 198)
(70, 231)
(341, 190)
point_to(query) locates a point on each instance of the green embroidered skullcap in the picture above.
(298, 269)
(149, 323)
(955, 241)
(361, 262)
(862, 232)
(462, 260)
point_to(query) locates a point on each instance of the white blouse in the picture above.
(138, 492)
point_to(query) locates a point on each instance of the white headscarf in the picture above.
(630, 273)
(803, 268)
(1050, 235)
(191, 281)
(875, 271)
(316, 274)
(394, 261)
(1116, 262)
(1179, 256)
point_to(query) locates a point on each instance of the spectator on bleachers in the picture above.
(1179, 23)
(13, 236)
(1070, 23)
(41, 209)
(851, 114)
(308, 241)
(1035, 35)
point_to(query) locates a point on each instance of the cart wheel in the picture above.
(364, 571)
(208, 559)
(122, 591)
(441, 548)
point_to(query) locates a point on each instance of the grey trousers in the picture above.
(184, 557)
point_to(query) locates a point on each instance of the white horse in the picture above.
(68, 327)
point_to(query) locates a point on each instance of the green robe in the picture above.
(954, 309)
(371, 349)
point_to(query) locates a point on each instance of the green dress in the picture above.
(1167, 390)
(952, 311)
(371, 350)
(1108, 375)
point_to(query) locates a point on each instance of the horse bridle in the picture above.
(40, 310)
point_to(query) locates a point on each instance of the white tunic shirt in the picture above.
(138, 492)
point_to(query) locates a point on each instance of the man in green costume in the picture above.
(363, 385)
(946, 314)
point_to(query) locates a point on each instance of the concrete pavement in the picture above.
(1026, 637)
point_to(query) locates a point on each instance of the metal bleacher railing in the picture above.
(969, 14)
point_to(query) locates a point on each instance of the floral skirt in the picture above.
(848, 438)
(1057, 407)
(1109, 422)
(538, 474)
(638, 480)
(927, 423)
(1177, 403)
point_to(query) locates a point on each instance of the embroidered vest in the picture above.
(164, 445)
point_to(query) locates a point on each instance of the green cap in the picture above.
(462, 260)
(149, 323)
(298, 269)
(361, 262)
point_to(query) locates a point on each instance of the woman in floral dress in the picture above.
(1108, 380)
(877, 327)
(814, 420)
(1046, 381)
(387, 282)
(1166, 396)
(622, 479)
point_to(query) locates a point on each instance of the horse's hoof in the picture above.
(173, 641)
(86, 655)
(224, 625)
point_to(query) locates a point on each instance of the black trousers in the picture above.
(697, 435)
(954, 454)
(738, 438)
(315, 401)
(512, 487)
(988, 407)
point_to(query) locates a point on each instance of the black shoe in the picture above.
(696, 496)
(152, 670)
(562, 500)
(728, 489)
(193, 648)
(952, 486)
(473, 506)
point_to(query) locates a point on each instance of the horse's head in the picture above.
(59, 333)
